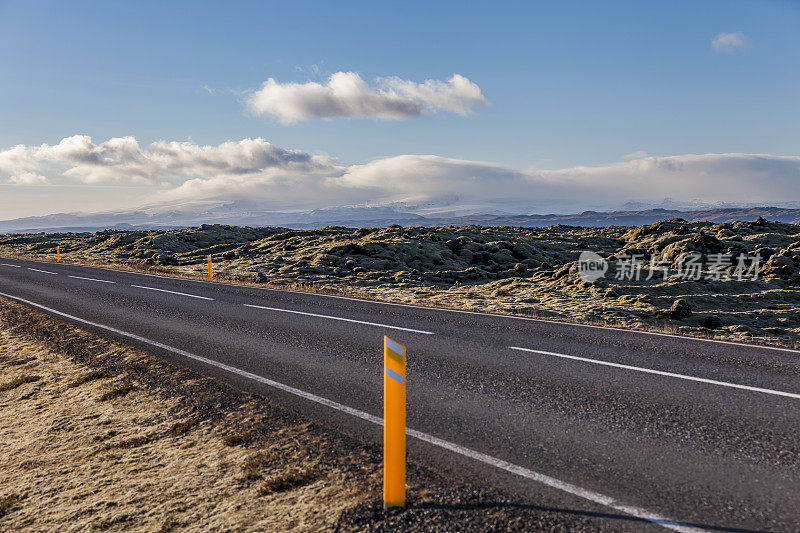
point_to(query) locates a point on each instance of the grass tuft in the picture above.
(181, 428)
(116, 392)
(7, 503)
(169, 524)
(21, 380)
(291, 479)
(235, 440)
(134, 442)
(86, 378)
(254, 466)
(19, 362)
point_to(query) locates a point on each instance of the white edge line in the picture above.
(495, 315)
(552, 482)
(92, 279)
(339, 318)
(569, 488)
(10, 265)
(43, 271)
(172, 292)
(662, 373)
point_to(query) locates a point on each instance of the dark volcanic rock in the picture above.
(680, 310)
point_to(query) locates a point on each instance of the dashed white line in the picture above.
(514, 317)
(92, 279)
(172, 292)
(662, 373)
(340, 318)
(544, 479)
(10, 265)
(43, 271)
(462, 311)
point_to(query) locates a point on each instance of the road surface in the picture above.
(647, 431)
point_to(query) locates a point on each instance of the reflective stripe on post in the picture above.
(394, 424)
(210, 272)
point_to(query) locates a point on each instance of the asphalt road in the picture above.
(646, 431)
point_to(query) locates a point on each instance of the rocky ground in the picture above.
(527, 271)
(95, 435)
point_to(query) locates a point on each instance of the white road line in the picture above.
(10, 265)
(339, 318)
(43, 271)
(445, 309)
(552, 482)
(92, 279)
(662, 373)
(172, 292)
(527, 318)
(479, 313)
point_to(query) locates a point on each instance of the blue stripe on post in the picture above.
(395, 376)
(396, 348)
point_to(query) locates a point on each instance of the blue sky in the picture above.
(570, 83)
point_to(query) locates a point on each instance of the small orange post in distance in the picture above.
(210, 271)
(394, 424)
(58, 254)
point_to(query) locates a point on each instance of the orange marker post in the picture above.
(210, 271)
(58, 254)
(394, 424)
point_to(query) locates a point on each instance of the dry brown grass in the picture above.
(169, 524)
(288, 480)
(150, 458)
(23, 361)
(87, 377)
(18, 381)
(235, 439)
(7, 503)
(254, 467)
(181, 428)
(135, 442)
(117, 391)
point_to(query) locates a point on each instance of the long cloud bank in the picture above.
(346, 94)
(277, 178)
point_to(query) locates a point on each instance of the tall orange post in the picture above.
(58, 254)
(210, 271)
(394, 424)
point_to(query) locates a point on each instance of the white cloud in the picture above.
(457, 95)
(345, 94)
(121, 159)
(634, 155)
(727, 42)
(28, 178)
(712, 178)
(257, 171)
(437, 183)
(428, 179)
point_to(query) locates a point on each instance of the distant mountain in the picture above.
(242, 214)
(632, 218)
